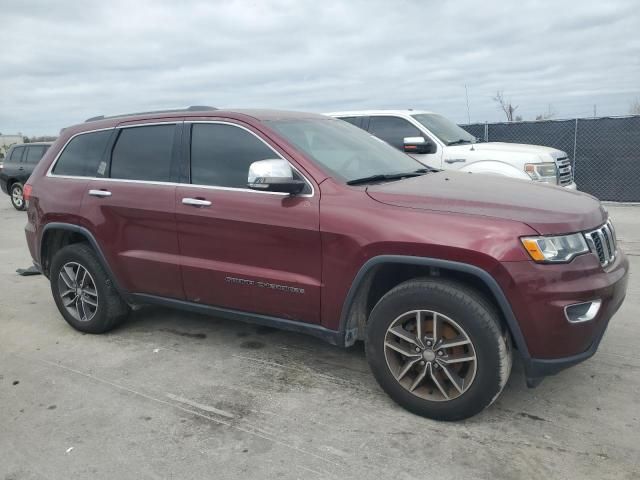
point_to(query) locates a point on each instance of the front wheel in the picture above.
(437, 348)
(17, 196)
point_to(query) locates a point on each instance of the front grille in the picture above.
(603, 243)
(565, 172)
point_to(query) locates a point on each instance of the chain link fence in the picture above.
(605, 152)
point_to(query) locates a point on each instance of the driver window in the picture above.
(393, 130)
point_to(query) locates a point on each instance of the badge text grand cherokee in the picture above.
(443, 275)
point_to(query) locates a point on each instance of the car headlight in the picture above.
(561, 248)
(542, 172)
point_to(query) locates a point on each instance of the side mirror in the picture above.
(274, 175)
(418, 145)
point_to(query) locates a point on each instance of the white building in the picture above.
(6, 141)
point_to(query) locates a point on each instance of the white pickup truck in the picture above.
(437, 142)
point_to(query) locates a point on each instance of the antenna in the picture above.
(466, 93)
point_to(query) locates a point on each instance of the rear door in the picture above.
(31, 158)
(394, 130)
(130, 205)
(243, 249)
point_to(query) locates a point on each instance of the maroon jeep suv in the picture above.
(307, 223)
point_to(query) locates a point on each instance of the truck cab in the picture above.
(439, 143)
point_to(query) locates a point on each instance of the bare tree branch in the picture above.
(505, 105)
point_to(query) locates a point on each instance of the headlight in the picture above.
(555, 249)
(542, 172)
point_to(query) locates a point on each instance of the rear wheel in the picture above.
(437, 348)
(83, 291)
(17, 196)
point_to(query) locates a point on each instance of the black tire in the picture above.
(110, 310)
(481, 324)
(16, 194)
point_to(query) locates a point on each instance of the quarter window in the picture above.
(357, 121)
(221, 154)
(393, 130)
(83, 154)
(143, 153)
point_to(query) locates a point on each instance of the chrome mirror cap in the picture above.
(274, 175)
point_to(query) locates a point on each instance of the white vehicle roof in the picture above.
(360, 113)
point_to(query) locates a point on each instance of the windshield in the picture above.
(447, 131)
(346, 151)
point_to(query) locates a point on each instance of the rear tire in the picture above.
(83, 291)
(16, 193)
(451, 373)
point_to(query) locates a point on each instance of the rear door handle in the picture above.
(196, 202)
(99, 193)
(455, 160)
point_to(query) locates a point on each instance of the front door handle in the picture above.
(196, 202)
(455, 160)
(99, 193)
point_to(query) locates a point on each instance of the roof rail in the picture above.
(192, 108)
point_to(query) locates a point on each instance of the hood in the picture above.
(514, 153)
(545, 208)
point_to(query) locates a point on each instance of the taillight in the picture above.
(26, 192)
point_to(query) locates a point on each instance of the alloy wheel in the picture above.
(430, 355)
(17, 196)
(78, 291)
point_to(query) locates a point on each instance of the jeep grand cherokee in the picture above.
(310, 224)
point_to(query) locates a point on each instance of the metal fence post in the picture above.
(486, 131)
(575, 147)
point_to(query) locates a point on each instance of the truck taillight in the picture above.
(26, 192)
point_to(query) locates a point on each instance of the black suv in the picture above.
(18, 165)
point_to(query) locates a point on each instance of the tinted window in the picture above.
(357, 121)
(143, 153)
(35, 153)
(83, 154)
(221, 155)
(393, 130)
(16, 154)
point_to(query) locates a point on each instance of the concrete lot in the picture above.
(175, 395)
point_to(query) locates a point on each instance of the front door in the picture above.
(242, 249)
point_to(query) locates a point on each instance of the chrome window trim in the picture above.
(178, 184)
(222, 122)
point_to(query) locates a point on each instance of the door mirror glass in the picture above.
(418, 145)
(274, 175)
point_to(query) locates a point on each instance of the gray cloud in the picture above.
(65, 61)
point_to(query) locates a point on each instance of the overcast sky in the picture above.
(63, 61)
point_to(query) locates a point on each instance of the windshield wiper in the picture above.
(459, 142)
(388, 176)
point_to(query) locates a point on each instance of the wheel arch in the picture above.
(56, 235)
(357, 304)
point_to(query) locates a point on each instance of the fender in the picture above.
(92, 241)
(504, 305)
(495, 167)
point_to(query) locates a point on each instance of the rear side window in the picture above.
(35, 153)
(83, 154)
(221, 155)
(393, 130)
(16, 155)
(357, 121)
(143, 153)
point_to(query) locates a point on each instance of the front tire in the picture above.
(436, 347)
(83, 292)
(16, 192)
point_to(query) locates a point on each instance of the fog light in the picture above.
(582, 312)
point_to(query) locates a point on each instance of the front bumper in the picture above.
(539, 293)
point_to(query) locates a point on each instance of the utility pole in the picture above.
(466, 93)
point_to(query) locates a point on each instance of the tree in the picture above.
(634, 109)
(505, 105)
